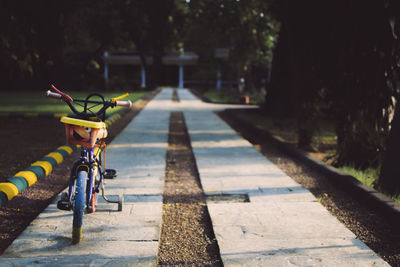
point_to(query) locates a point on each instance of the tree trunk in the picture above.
(280, 96)
(389, 178)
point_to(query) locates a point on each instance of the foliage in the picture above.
(246, 28)
(156, 27)
(31, 38)
(44, 41)
(65, 41)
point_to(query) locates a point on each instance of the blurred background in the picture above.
(65, 41)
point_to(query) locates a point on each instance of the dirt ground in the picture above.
(26, 140)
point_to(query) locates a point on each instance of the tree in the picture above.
(31, 40)
(361, 97)
(346, 60)
(389, 181)
(295, 83)
(155, 27)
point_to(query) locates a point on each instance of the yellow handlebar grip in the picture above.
(119, 97)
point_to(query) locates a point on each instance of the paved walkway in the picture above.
(281, 225)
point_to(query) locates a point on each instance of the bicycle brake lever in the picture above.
(64, 96)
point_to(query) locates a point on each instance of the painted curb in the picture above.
(43, 167)
(29, 176)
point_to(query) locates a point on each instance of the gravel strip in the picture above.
(187, 238)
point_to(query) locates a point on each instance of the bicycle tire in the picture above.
(79, 206)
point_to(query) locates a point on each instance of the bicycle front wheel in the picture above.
(79, 206)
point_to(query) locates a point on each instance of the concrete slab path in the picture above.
(281, 225)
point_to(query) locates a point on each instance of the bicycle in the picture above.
(87, 130)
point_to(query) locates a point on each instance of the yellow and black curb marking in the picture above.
(24, 179)
(43, 167)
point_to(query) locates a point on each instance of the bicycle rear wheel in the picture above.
(79, 206)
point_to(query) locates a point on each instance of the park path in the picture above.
(260, 216)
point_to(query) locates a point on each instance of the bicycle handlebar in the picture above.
(106, 103)
(53, 95)
(127, 103)
(65, 97)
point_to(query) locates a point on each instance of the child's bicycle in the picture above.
(87, 130)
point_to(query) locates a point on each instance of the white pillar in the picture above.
(143, 85)
(218, 79)
(180, 76)
(105, 67)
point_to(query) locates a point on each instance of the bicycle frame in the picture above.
(91, 163)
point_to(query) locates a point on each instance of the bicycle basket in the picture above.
(83, 132)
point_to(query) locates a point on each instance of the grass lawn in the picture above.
(367, 176)
(222, 96)
(36, 102)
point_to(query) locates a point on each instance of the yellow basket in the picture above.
(83, 132)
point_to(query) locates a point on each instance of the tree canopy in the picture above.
(66, 40)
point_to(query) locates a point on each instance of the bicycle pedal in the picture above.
(110, 174)
(64, 205)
